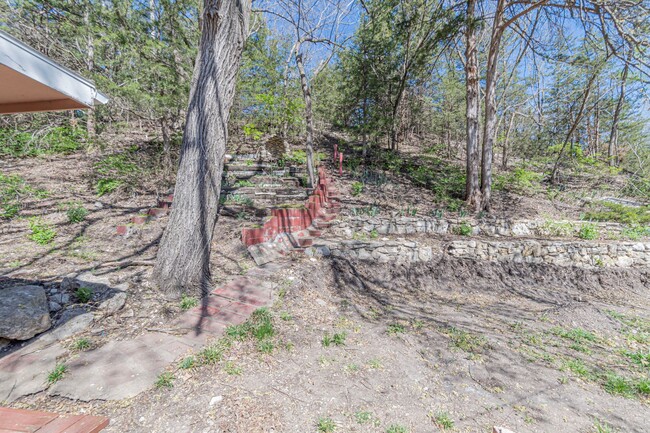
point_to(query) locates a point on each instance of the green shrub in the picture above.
(76, 213)
(636, 232)
(115, 171)
(13, 189)
(41, 233)
(588, 231)
(464, 229)
(620, 213)
(357, 188)
(83, 294)
(519, 180)
(60, 139)
(556, 228)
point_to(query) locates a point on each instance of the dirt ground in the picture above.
(532, 348)
(481, 344)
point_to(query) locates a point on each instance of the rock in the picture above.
(501, 430)
(70, 314)
(99, 205)
(24, 312)
(73, 326)
(54, 306)
(114, 303)
(61, 298)
(216, 399)
(68, 284)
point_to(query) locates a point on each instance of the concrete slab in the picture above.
(25, 371)
(120, 369)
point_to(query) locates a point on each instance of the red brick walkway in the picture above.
(19, 420)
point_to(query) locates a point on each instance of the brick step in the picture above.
(140, 219)
(157, 212)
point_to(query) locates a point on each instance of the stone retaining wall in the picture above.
(496, 227)
(570, 253)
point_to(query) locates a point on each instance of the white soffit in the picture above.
(29, 82)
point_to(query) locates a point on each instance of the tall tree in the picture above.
(472, 192)
(183, 262)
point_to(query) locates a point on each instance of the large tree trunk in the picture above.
(472, 192)
(183, 262)
(90, 66)
(612, 149)
(490, 125)
(309, 119)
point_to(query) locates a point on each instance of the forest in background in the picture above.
(569, 85)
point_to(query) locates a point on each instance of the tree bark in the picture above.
(90, 66)
(489, 131)
(472, 192)
(309, 118)
(183, 262)
(612, 148)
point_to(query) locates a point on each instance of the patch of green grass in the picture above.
(22, 143)
(396, 428)
(639, 357)
(325, 425)
(56, 374)
(187, 363)
(519, 180)
(83, 294)
(375, 364)
(635, 232)
(466, 341)
(606, 211)
(577, 335)
(243, 184)
(266, 346)
(588, 231)
(336, 339)
(395, 328)
(41, 232)
(107, 186)
(232, 369)
(363, 417)
(356, 188)
(211, 354)
(188, 302)
(13, 189)
(602, 427)
(560, 229)
(165, 380)
(443, 421)
(285, 316)
(76, 213)
(464, 229)
(81, 344)
(117, 170)
(578, 368)
(618, 385)
(642, 387)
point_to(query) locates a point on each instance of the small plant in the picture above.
(396, 428)
(76, 213)
(356, 188)
(363, 417)
(395, 328)
(81, 344)
(374, 234)
(464, 229)
(83, 294)
(285, 316)
(467, 342)
(588, 231)
(336, 339)
(375, 364)
(325, 425)
(211, 354)
(244, 184)
(57, 374)
(165, 380)
(618, 385)
(41, 233)
(444, 421)
(266, 347)
(232, 369)
(188, 302)
(188, 363)
(601, 427)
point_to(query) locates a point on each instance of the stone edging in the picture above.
(560, 253)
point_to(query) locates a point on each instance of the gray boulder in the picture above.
(24, 312)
